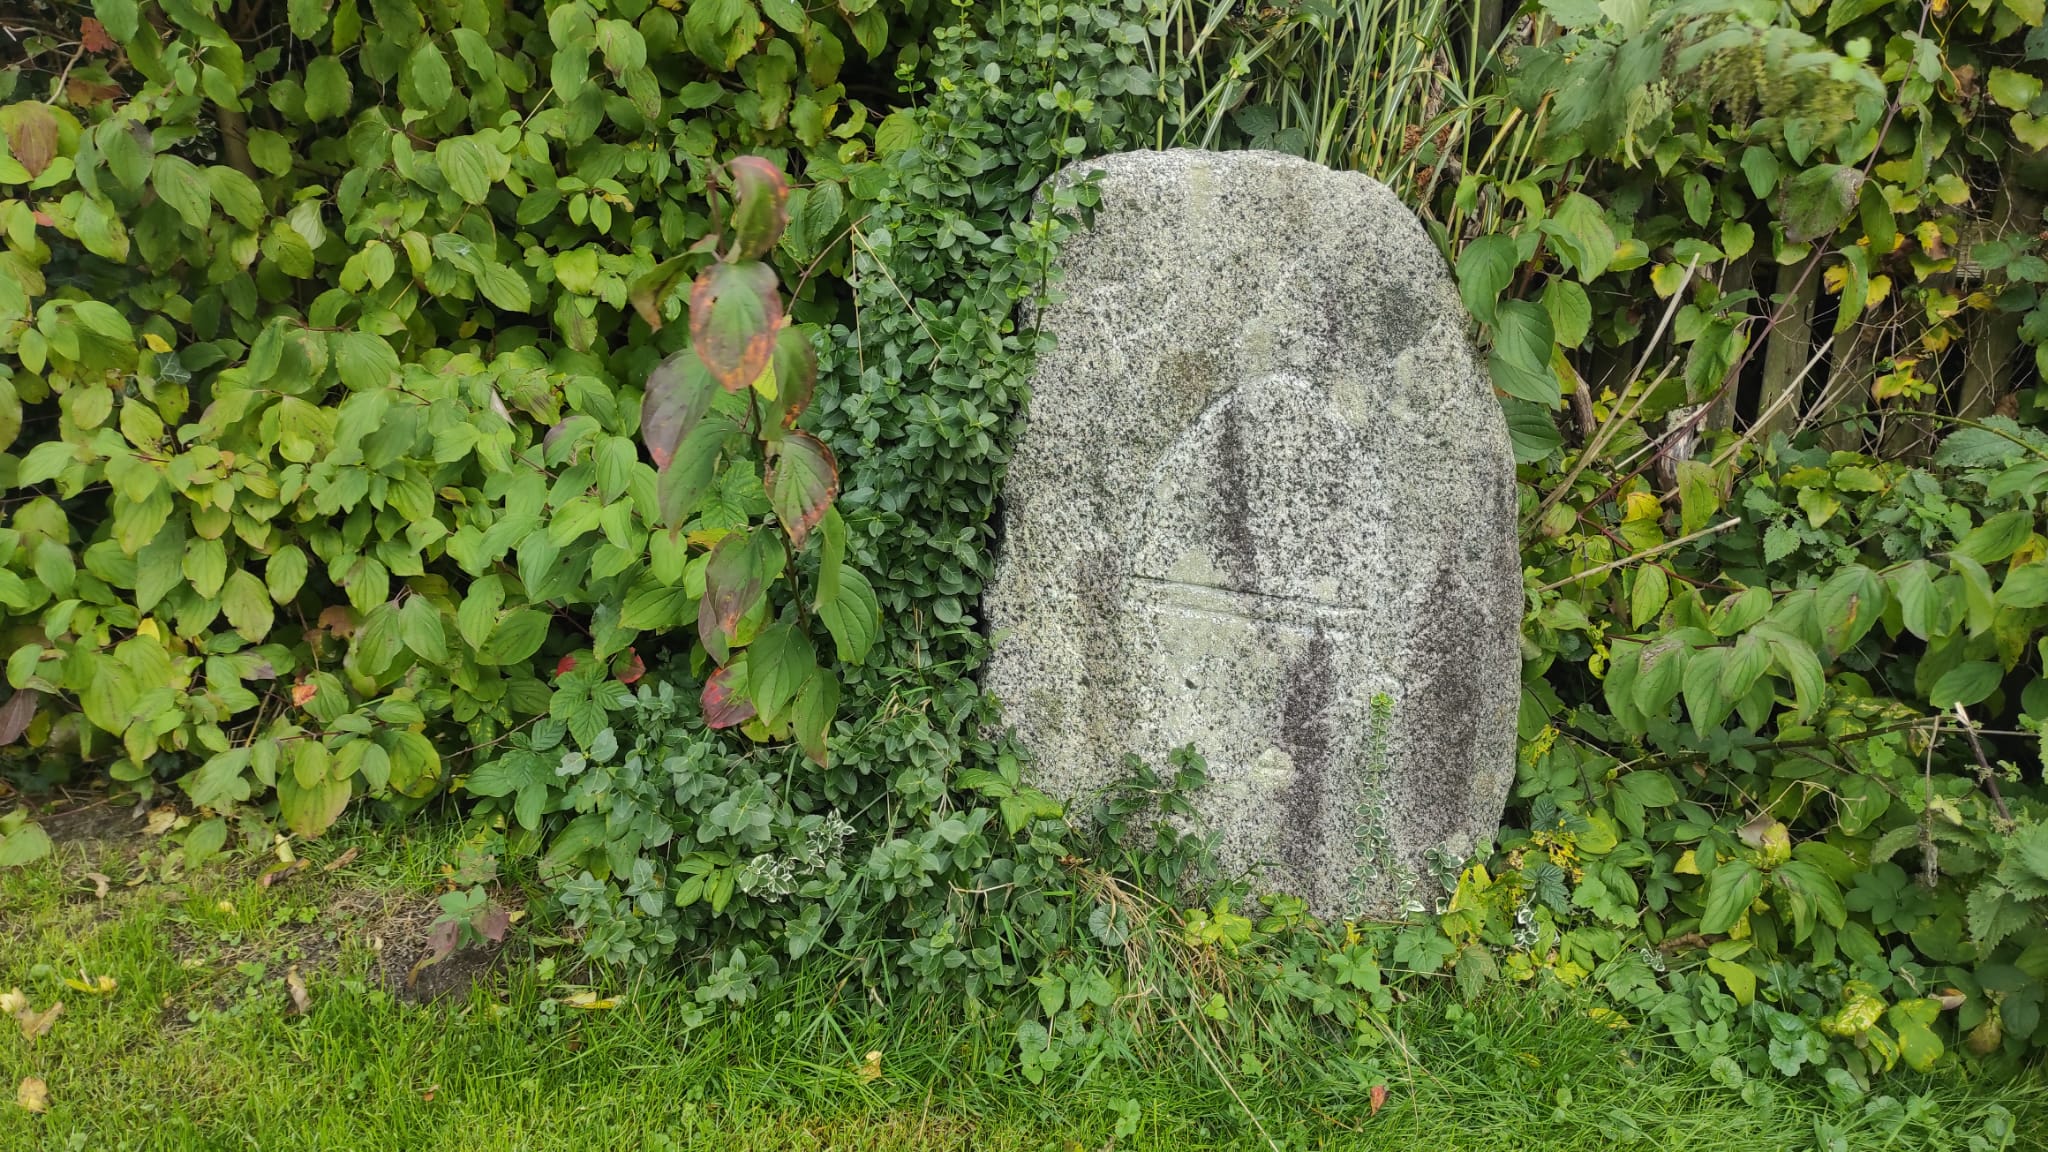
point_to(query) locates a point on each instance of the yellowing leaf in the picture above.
(871, 1070)
(155, 342)
(92, 985)
(33, 1095)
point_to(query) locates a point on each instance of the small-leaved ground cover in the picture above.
(248, 1014)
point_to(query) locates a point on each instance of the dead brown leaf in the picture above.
(872, 1069)
(277, 873)
(33, 1095)
(341, 861)
(160, 820)
(34, 1024)
(101, 884)
(301, 1003)
(16, 713)
(92, 35)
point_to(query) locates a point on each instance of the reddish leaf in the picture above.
(31, 135)
(796, 376)
(93, 36)
(1378, 1096)
(491, 923)
(635, 668)
(440, 943)
(733, 580)
(16, 713)
(725, 701)
(735, 313)
(802, 480)
(303, 693)
(679, 392)
(760, 197)
(565, 665)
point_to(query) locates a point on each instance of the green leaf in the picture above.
(467, 167)
(1760, 166)
(1968, 683)
(1842, 13)
(430, 76)
(236, 194)
(285, 573)
(1522, 350)
(1484, 269)
(1705, 701)
(1848, 606)
(1660, 673)
(1740, 980)
(121, 18)
(2014, 90)
(1579, 234)
(741, 566)
(779, 661)
(311, 811)
(503, 287)
(205, 566)
(1998, 537)
(180, 184)
(1919, 1047)
(308, 17)
(515, 638)
(802, 481)
(329, 92)
(817, 702)
(1570, 312)
(852, 615)
(419, 624)
(2025, 586)
(24, 845)
(219, 783)
(679, 393)
(1652, 588)
(246, 604)
(735, 312)
(1730, 890)
(683, 483)
(1819, 200)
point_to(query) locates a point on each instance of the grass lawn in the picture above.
(198, 1046)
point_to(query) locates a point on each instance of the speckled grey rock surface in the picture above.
(1264, 504)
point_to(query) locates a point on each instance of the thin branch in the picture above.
(1731, 522)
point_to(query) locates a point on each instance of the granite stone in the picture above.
(1264, 505)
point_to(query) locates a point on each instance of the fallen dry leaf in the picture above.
(1951, 999)
(872, 1070)
(33, 1094)
(92, 36)
(302, 694)
(281, 872)
(34, 1024)
(301, 1003)
(1378, 1096)
(160, 820)
(341, 861)
(92, 985)
(101, 884)
(12, 1001)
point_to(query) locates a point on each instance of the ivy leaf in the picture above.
(735, 313)
(760, 200)
(725, 701)
(1819, 200)
(803, 478)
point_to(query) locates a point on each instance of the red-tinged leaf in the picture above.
(491, 923)
(92, 36)
(16, 713)
(633, 670)
(679, 392)
(565, 665)
(1378, 1098)
(303, 693)
(31, 135)
(760, 196)
(803, 479)
(683, 483)
(650, 289)
(735, 313)
(796, 377)
(733, 582)
(725, 701)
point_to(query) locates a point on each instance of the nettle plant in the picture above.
(729, 399)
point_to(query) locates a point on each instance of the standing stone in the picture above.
(1264, 504)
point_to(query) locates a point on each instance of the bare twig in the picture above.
(1724, 525)
(1985, 775)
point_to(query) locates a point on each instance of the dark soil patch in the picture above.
(91, 821)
